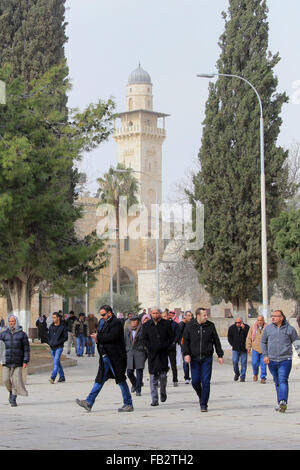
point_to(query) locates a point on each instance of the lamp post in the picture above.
(262, 189)
(119, 170)
(2, 92)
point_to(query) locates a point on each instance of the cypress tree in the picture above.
(228, 183)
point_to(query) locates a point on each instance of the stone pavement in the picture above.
(241, 415)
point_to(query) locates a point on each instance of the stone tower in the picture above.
(140, 138)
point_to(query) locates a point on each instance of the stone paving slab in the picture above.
(241, 415)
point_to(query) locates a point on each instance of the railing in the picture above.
(139, 130)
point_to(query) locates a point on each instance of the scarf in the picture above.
(254, 330)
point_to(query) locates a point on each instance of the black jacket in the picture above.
(157, 339)
(237, 337)
(176, 333)
(110, 341)
(17, 349)
(77, 328)
(199, 340)
(57, 335)
(69, 323)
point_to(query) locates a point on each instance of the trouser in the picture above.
(127, 400)
(136, 380)
(57, 367)
(201, 374)
(258, 361)
(80, 343)
(186, 368)
(173, 363)
(280, 372)
(13, 380)
(154, 379)
(236, 357)
(70, 340)
(90, 346)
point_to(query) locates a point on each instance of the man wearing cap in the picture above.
(136, 354)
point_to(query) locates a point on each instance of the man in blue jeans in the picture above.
(112, 359)
(277, 348)
(57, 336)
(237, 335)
(200, 337)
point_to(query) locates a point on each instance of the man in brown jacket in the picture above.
(253, 342)
(92, 324)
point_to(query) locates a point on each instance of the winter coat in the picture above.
(136, 354)
(176, 334)
(276, 343)
(70, 322)
(17, 349)
(42, 328)
(92, 324)
(199, 340)
(157, 338)
(110, 341)
(57, 335)
(77, 325)
(237, 337)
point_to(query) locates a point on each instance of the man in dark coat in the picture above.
(172, 352)
(199, 340)
(42, 328)
(187, 317)
(237, 335)
(157, 337)
(136, 354)
(16, 356)
(112, 359)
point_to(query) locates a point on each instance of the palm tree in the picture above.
(112, 186)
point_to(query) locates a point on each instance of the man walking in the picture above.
(80, 330)
(157, 337)
(16, 357)
(112, 360)
(136, 354)
(92, 324)
(276, 346)
(69, 323)
(200, 337)
(253, 342)
(187, 317)
(57, 336)
(237, 335)
(172, 353)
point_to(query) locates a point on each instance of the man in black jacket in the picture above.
(187, 317)
(57, 336)
(112, 359)
(69, 323)
(199, 340)
(157, 337)
(237, 335)
(172, 352)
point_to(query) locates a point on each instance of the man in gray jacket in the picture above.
(277, 348)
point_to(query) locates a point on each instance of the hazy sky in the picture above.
(174, 40)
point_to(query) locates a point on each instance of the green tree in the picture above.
(122, 303)
(228, 183)
(112, 187)
(38, 242)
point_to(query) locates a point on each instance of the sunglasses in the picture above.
(238, 322)
(103, 314)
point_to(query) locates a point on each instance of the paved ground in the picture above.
(241, 415)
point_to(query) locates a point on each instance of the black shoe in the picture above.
(154, 403)
(163, 397)
(204, 409)
(61, 379)
(13, 400)
(133, 388)
(126, 408)
(138, 394)
(242, 379)
(84, 404)
(175, 384)
(236, 377)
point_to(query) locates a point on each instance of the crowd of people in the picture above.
(125, 345)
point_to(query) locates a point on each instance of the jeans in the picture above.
(80, 343)
(236, 356)
(90, 348)
(136, 380)
(280, 372)
(57, 368)
(201, 375)
(127, 400)
(186, 368)
(258, 361)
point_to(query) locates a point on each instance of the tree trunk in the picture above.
(118, 249)
(20, 291)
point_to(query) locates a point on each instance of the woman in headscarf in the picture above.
(15, 358)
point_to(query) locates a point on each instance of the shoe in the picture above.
(203, 410)
(187, 381)
(262, 381)
(84, 404)
(133, 388)
(68, 353)
(254, 378)
(175, 384)
(282, 406)
(126, 408)
(236, 377)
(138, 394)
(13, 401)
(61, 379)
(242, 379)
(9, 397)
(51, 381)
(163, 397)
(154, 403)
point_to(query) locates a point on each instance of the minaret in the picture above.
(139, 138)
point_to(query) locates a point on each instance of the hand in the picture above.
(220, 360)
(25, 365)
(266, 360)
(249, 351)
(187, 359)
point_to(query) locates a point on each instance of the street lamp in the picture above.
(118, 170)
(262, 190)
(2, 92)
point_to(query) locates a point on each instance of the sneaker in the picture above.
(175, 384)
(255, 378)
(203, 410)
(163, 397)
(262, 381)
(236, 377)
(51, 380)
(242, 379)
(282, 406)
(84, 404)
(187, 381)
(154, 403)
(126, 408)
(61, 379)
(277, 407)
